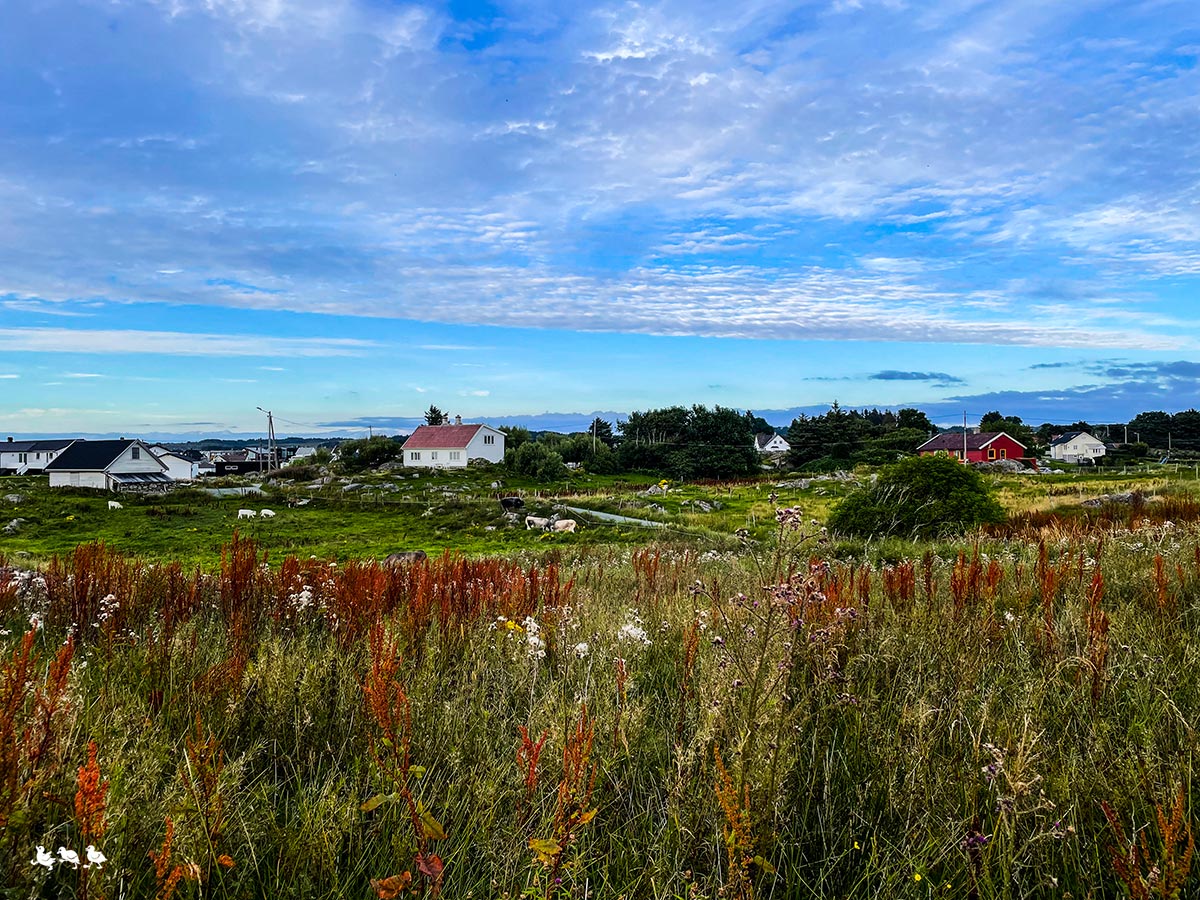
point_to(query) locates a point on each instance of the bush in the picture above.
(925, 496)
(536, 461)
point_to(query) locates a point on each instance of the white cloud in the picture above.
(62, 340)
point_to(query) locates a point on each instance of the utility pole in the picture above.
(270, 438)
(964, 437)
(1127, 434)
(593, 437)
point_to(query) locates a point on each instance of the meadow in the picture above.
(622, 712)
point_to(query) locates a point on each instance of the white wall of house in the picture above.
(488, 444)
(1082, 446)
(178, 468)
(26, 461)
(98, 480)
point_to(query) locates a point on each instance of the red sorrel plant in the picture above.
(90, 821)
(167, 872)
(900, 583)
(204, 761)
(529, 752)
(738, 833)
(1097, 635)
(1144, 876)
(687, 668)
(391, 743)
(571, 810)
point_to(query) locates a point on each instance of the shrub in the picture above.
(536, 461)
(925, 496)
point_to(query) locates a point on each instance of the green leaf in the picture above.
(377, 801)
(547, 849)
(431, 826)
(762, 863)
(417, 772)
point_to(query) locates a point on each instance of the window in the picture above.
(137, 452)
(455, 455)
(991, 453)
(489, 439)
(414, 456)
(1003, 453)
(22, 457)
(433, 454)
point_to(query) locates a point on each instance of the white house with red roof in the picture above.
(452, 446)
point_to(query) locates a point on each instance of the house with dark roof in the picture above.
(29, 457)
(1077, 447)
(123, 465)
(980, 446)
(770, 442)
(452, 446)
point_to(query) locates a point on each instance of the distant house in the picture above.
(179, 467)
(29, 457)
(452, 446)
(1076, 446)
(980, 447)
(244, 462)
(124, 465)
(770, 442)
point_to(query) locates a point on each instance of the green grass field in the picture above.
(620, 712)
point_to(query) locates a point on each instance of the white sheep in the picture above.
(113, 504)
(267, 513)
(246, 514)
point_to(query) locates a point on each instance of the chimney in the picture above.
(458, 420)
(10, 439)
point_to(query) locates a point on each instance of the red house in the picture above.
(982, 447)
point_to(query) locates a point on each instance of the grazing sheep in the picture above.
(405, 556)
(565, 525)
(511, 503)
(267, 513)
(246, 514)
(113, 504)
(537, 522)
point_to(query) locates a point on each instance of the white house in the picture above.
(29, 457)
(452, 446)
(124, 465)
(1076, 446)
(180, 468)
(769, 442)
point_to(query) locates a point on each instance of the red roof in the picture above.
(441, 437)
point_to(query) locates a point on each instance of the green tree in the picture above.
(434, 416)
(537, 461)
(360, 455)
(914, 418)
(919, 497)
(1151, 428)
(515, 436)
(1010, 425)
(602, 430)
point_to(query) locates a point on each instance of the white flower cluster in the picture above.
(66, 857)
(582, 650)
(632, 631)
(302, 599)
(533, 638)
(109, 604)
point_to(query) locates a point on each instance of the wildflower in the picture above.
(916, 876)
(43, 858)
(581, 649)
(95, 857)
(857, 846)
(68, 856)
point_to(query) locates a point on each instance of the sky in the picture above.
(346, 211)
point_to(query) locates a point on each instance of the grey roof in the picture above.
(761, 440)
(1070, 436)
(951, 441)
(92, 456)
(36, 446)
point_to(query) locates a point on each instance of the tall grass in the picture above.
(997, 718)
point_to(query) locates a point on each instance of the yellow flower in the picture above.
(856, 846)
(916, 876)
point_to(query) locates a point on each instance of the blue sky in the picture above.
(345, 211)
